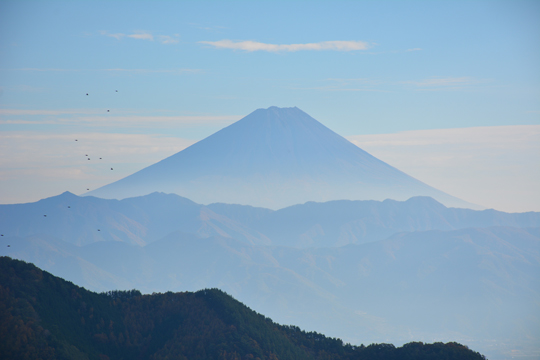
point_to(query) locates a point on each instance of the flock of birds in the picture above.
(87, 156)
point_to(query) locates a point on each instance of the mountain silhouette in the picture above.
(274, 158)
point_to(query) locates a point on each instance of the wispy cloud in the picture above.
(443, 83)
(143, 35)
(341, 84)
(504, 137)
(47, 112)
(414, 49)
(251, 46)
(150, 121)
(48, 148)
(335, 88)
(470, 163)
(437, 81)
(24, 88)
(134, 71)
(143, 71)
(139, 35)
(117, 36)
(213, 28)
(46, 69)
(377, 85)
(114, 118)
(166, 39)
(37, 164)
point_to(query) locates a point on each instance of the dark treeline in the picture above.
(45, 317)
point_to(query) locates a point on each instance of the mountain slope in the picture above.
(273, 158)
(46, 317)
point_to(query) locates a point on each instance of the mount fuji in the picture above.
(274, 158)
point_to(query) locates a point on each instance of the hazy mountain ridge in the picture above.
(273, 158)
(142, 220)
(83, 220)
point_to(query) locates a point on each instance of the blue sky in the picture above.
(185, 69)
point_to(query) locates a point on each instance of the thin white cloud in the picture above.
(47, 112)
(439, 81)
(143, 35)
(24, 88)
(375, 85)
(116, 36)
(251, 46)
(151, 121)
(495, 166)
(114, 118)
(355, 80)
(166, 39)
(139, 71)
(444, 83)
(38, 149)
(214, 28)
(344, 84)
(35, 165)
(46, 69)
(414, 49)
(336, 88)
(143, 71)
(510, 136)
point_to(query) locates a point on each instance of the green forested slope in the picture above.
(45, 317)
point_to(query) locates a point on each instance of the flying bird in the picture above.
(9, 246)
(86, 94)
(45, 215)
(76, 140)
(111, 168)
(116, 90)
(108, 110)
(69, 207)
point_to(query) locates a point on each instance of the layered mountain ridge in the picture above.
(372, 271)
(274, 158)
(82, 220)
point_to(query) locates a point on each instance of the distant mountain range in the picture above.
(145, 219)
(45, 317)
(274, 158)
(364, 271)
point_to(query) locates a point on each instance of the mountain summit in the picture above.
(274, 158)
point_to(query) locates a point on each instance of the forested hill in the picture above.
(46, 317)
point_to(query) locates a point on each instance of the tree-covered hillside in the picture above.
(46, 317)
